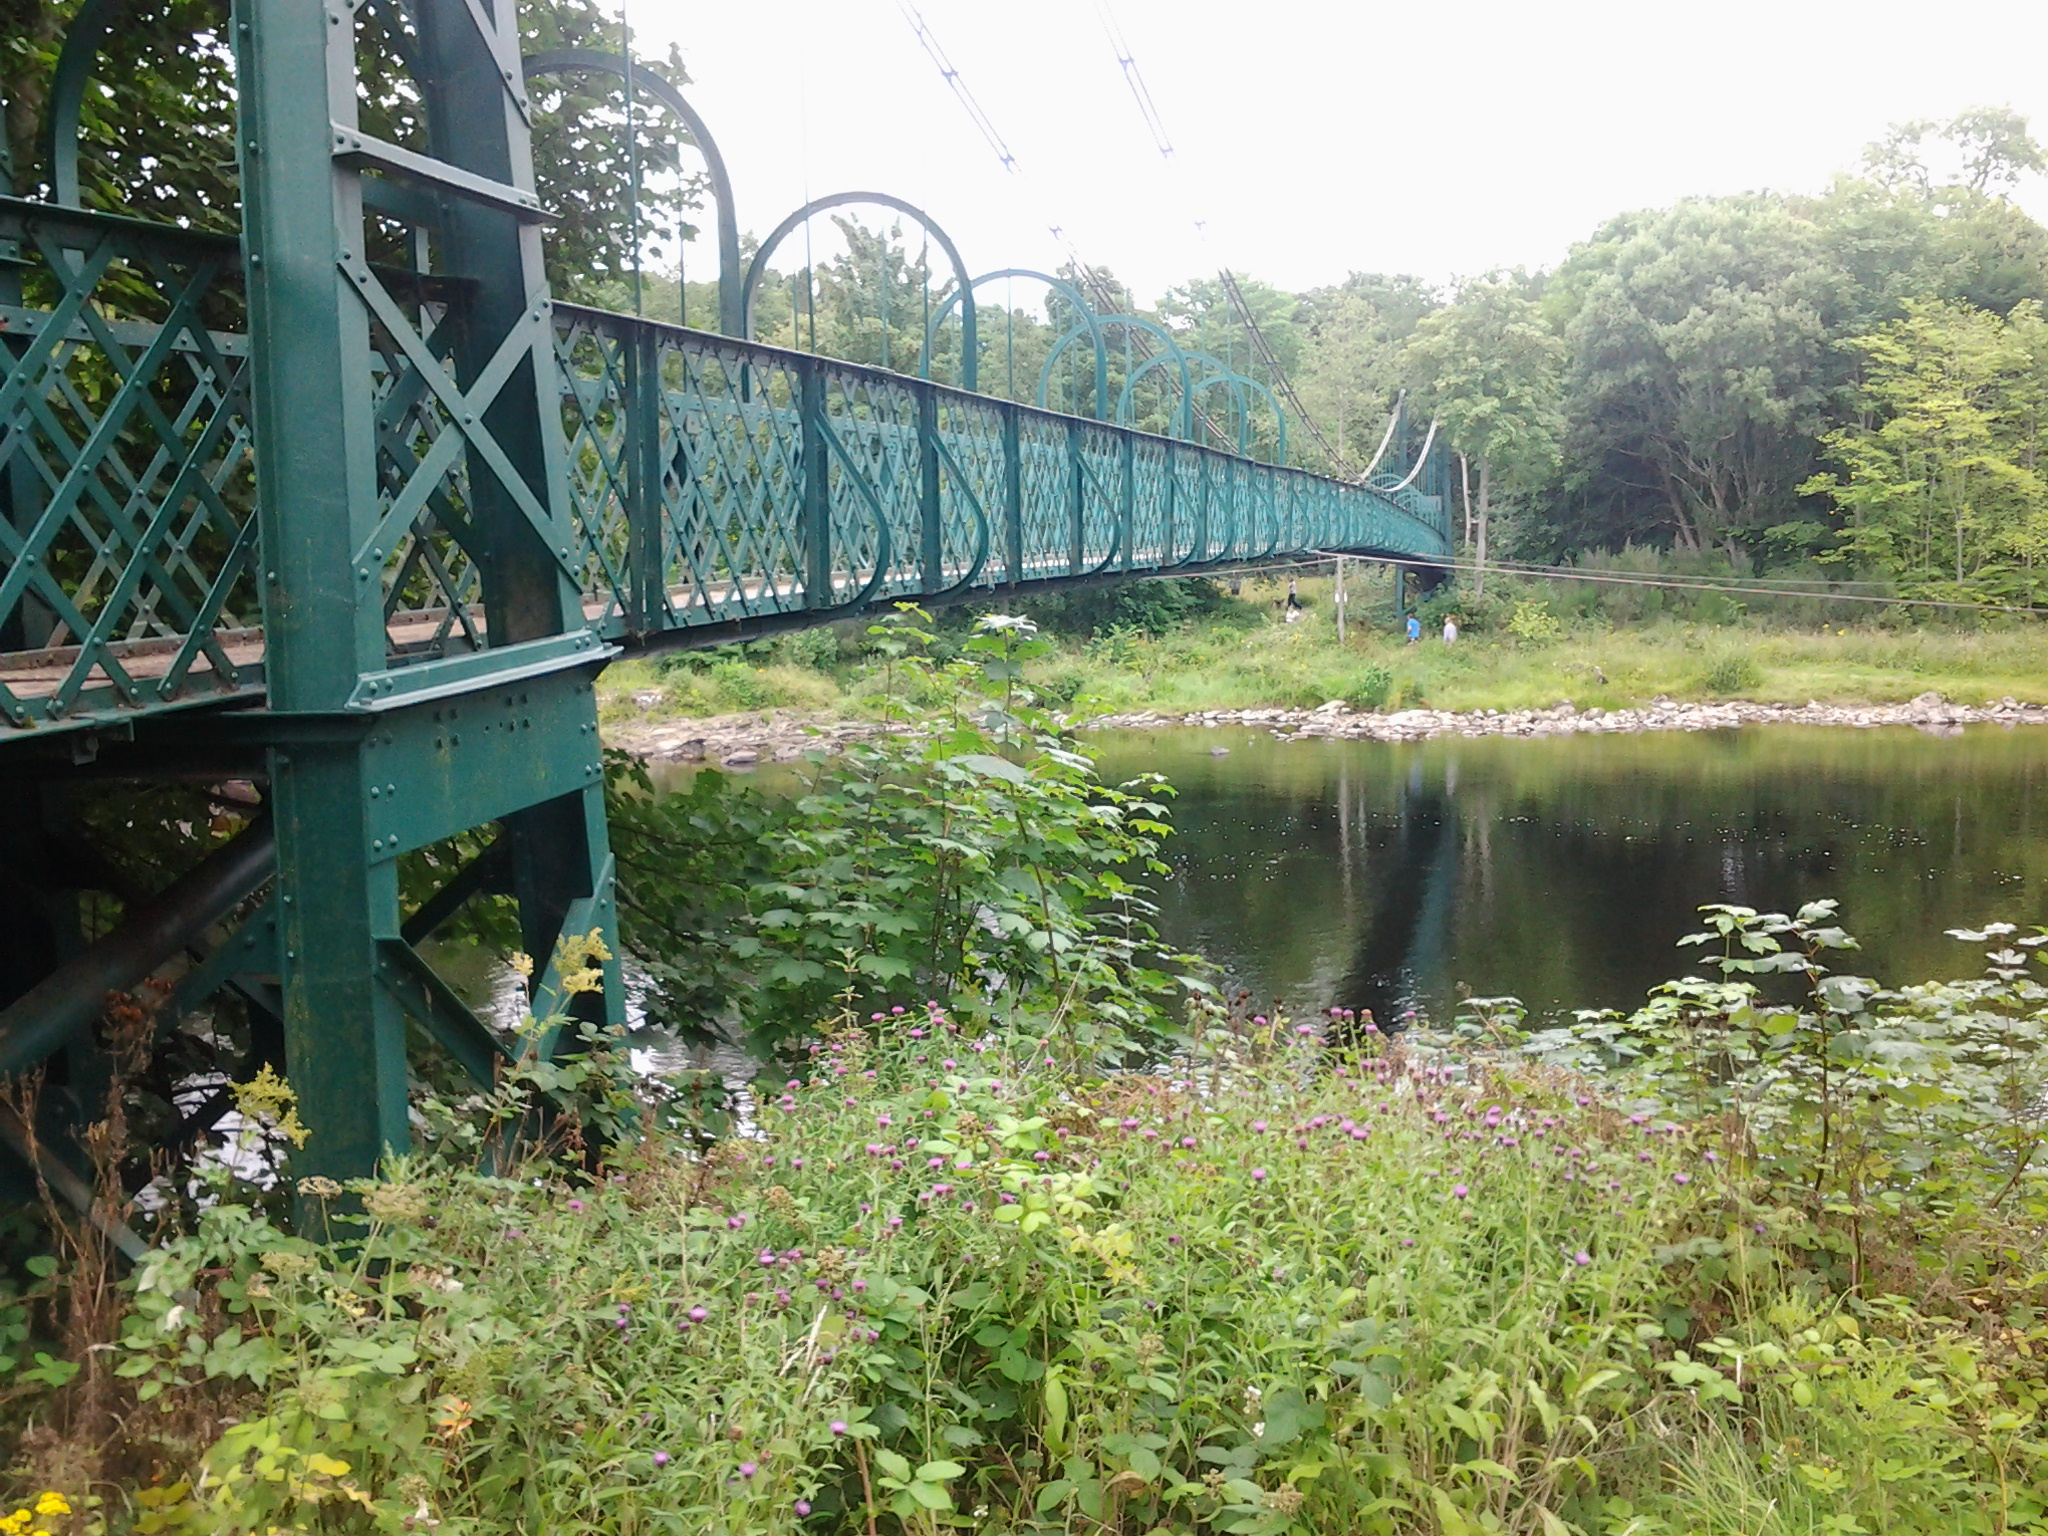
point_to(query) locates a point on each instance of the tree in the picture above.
(1491, 372)
(157, 125)
(1701, 367)
(1352, 368)
(1939, 474)
(1990, 144)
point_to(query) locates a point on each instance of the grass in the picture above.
(1248, 658)
(954, 1284)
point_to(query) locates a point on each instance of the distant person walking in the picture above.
(1414, 630)
(1450, 630)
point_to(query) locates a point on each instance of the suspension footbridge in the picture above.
(347, 513)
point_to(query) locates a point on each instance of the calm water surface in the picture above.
(1564, 869)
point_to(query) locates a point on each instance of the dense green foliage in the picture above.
(1749, 1266)
(977, 858)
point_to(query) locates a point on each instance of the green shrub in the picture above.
(1369, 688)
(1534, 622)
(981, 858)
(1734, 673)
(1279, 1290)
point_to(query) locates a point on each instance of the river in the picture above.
(1563, 870)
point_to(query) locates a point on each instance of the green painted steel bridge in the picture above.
(356, 539)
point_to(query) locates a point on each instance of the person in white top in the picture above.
(1450, 630)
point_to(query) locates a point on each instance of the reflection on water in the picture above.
(1563, 869)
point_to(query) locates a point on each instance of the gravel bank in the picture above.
(742, 741)
(1929, 712)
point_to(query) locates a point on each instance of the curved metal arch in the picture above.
(1066, 289)
(1422, 458)
(1239, 383)
(731, 307)
(881, 200)
(1150, 327)
(1220, 374)
(83, 40)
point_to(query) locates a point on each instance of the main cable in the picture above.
(1155, 126)
(1097, 286)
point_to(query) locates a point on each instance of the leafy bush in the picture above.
(1731, 674)
(1533, 621)
(1870, 1123)
(1370, 687)
(977, 856)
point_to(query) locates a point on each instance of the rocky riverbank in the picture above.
(1929, 712)
(737, 741)
(745, 740)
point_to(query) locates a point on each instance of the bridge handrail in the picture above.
(130, 560)
(1075, 498)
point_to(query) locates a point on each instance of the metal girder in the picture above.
(76, 993)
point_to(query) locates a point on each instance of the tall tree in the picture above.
(1939, 474)
(1354, 337)
(1701, 368)
(1489, 369)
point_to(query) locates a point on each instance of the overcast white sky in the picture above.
(1321, 138)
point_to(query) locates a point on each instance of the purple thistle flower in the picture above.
(838, 1426)
(803, 1507)
(576, 1206)
(1258, 1175)
(698, 1314)
(1259, 1126)
(1681, 1178)
(1459, 1191)
(661, 1458)
(1582, 1258)
(748, 1469)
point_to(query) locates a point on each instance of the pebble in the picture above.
(1338, 721)
(741, 740)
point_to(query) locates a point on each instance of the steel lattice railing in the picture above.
(713, 484)
(717, 480)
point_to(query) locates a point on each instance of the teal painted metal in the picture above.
(786, 485)
(365, 533)
(75, 65)
(1182, 422)
(732, 310)
(1064, 289)
(782, 231)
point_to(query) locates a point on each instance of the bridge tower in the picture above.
(405, 427)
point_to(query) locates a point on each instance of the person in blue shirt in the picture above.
(1414, 630)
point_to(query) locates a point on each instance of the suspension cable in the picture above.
(1155, 126)
(1092, 281)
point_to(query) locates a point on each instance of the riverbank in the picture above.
(1930, 712)
(1237, 656)
(746, 740)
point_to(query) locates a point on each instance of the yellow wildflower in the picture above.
(53, 1503)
